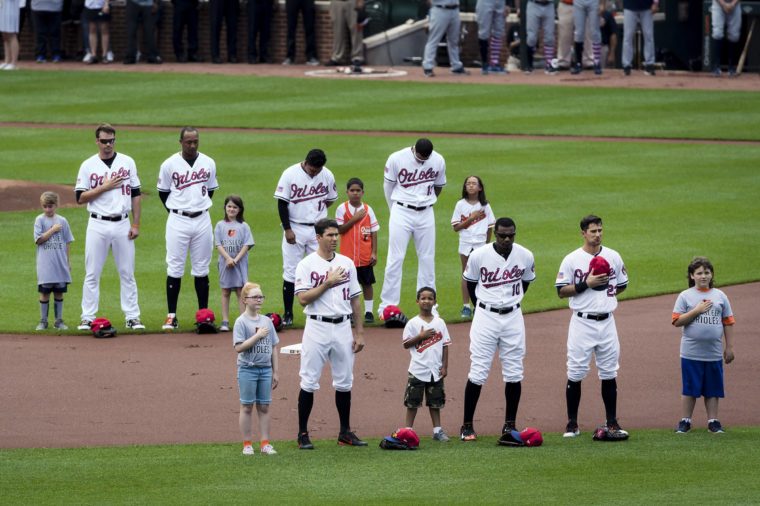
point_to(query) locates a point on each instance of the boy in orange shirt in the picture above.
(358, 228)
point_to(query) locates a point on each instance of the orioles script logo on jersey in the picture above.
(408, 178)
(317, 279)
(427, 343)
(579, 275)
(182, 181)
(499, 277)
(307, 192)
(463, 218)
(96, 180)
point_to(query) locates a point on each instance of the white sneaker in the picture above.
(224, 327)
(440, 436)
(135, 324)
(43, 325)
(266, 450)
(84, 325)
(171, 322)
(248, 450)
(10, 66)
(3, 65)
(109, 57)
(60, 325)
(88, 58)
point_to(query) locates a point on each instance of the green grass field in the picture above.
(653, 467)
(662, 204)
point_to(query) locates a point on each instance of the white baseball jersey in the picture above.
(313, 270)
(307, 196)
(500, 280)
(477, 232)
(117, 201)
(415, 181)
(575, 268)
(427, 356)
(188, 186)
(52, 257)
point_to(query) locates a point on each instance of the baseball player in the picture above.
(592, 326)
(587, 11)
(540, 16)
(444, 21)
(186, 184)
(327, 286)
(498, 275)
(726, 17)
(304, 192)
(490, 15)
(107, 182)
(414, 177)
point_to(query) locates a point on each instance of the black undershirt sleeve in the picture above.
(164, 196)
(135, 192)
(525, 285)
(78, 194)
(471, 285)
(211, 194)
(282, 208)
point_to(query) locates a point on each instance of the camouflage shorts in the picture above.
(435, 396)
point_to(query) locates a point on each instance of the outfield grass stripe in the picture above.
(399, 133)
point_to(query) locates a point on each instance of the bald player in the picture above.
(414, 177)
(304, 192)
(186, 183)
(593, 298)
(328, 289)
(497, 275)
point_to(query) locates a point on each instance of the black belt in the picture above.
(300, 223)
(597, 316)
(449, 7)
(541, 2)
(186, 214)
(413, 208)
(339, 319)
(109, 218)
(503, 310)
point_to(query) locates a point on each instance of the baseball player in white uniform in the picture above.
(592, 325)
(498, 276)
(304, 192)
(186, 184)
(414, 177)
(107, 182)
(327, 287)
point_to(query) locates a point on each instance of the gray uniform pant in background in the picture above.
(644, 18)
(442, 22)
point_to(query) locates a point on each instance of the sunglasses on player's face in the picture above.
(107, 141)
(504, 236)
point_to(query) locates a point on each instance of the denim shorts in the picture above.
(702, 379)
(255, 384)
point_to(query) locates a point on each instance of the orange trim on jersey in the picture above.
(356, 243)
(676, 316)
(729, 320)
(703, 290)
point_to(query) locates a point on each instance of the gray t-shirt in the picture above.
(260, 355)
(702, 339)
(52, 260)
(232, 236)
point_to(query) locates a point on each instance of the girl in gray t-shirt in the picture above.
(233, 240)
(706, 317)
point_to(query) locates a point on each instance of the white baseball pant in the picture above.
(101, 237)
(323, 342)
(306, 243)
(490, 332)
(404, 224)
(193, 234)
(585, 337)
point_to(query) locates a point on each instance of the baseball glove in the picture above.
(394, 318)
(276, 321)
(204, 322)
(530, 436)
(511, 438)
(102, 328)
(607, 434)
(391, 443)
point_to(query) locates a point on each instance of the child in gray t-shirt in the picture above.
(706, 317)
(53, 237)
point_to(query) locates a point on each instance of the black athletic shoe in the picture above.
(467, 433)
(627, 71)
(350, 439)
(369, 317)
(576, 69)
(508, 427)
(684, 426)
(304, 443)
(287, 319)
(571, 429)
(715, 427)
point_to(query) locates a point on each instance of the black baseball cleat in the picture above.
(350, 439)
(304, 443)
(576, 69)
(467, 433)
(508, 427)
(287, 319)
